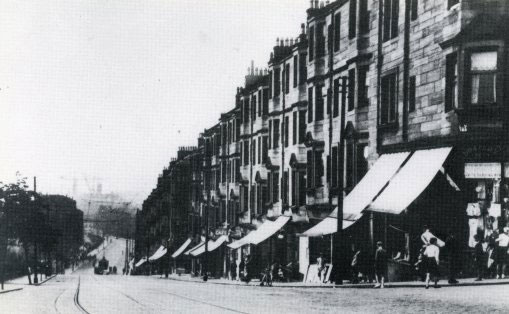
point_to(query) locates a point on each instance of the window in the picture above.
(411, 94)
(414, 9)
(286, 122)
(328, 167)
(294, 128)
(253, 107)
(362, 92)
(335, 107)
(270, 134)
(351, 89)
(330, 38)
(294, 187)
(483, 77)
(285, 187)
(451, 3)
(246, 110)
(295, 70)
(259, 103)
(265, 151)
(265, 109)
(270, 84)
(259, 150)
(310, 104)
(391, 12)
(361, 162)
(329, 101)
(319, 103)
(303, 72)
(309, 169)
(363, 17)
(334, 167)
(245, 198)
(320, 40)
(275, 186)
(311, 43)
(302, 126)
(276, 133)
(287, 79)
(318, 165)
(352, 22)
(337, 31)
(451, 82)
(246, 153)
(349, 166)
(277, 82)
(389, 99)
(253, 152)
(302, 188)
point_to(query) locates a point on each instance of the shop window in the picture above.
(287, 121)
(335, 107)
(411, 94)
(303, 71)
(294, 128)
(352, 22)
(295, 70)
(337, 31)
(310, 104)
(390, 19)
(483, 77)
(302, 126)
(276, 133)
(389, 100)
(311, 53)
(319, 103)
(414, 4)
(351, 89)
(363, 17)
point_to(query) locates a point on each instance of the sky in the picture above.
(106, 91)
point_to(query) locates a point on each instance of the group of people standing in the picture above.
(491, 254)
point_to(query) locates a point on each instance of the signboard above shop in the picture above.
(485, 170)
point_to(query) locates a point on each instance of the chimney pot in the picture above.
(311, 4)
(316, 4)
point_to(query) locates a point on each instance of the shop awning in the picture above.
(181, 248)
(327, 226)
(194, 248)
(212, 245)
(371, 184)
(158, 254)
(410, 181)
(141, 261)
(267, 229)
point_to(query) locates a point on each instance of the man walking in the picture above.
(453, 249)
(380, 265)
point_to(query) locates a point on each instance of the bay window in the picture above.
(483, 77)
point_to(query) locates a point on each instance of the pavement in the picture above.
(404, 284)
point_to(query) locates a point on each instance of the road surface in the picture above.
(84, 292)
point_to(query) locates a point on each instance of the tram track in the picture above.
(77, 298)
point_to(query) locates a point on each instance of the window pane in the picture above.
(483, 61)
(486, 87)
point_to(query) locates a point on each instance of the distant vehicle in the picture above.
(101, 267)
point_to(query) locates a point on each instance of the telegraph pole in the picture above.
(207, 208)
(35, 243)
(339, 234)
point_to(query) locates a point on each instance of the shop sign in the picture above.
(221, 231)
(483, 170)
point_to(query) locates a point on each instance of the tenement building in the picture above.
(392, 113)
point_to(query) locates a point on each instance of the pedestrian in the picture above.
(479, 257)
(380, 265)
(431, 260)
(356, 266)
(453, 249)
(320, 263)
(501, 252)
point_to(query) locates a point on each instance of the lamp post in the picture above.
(339, 234)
